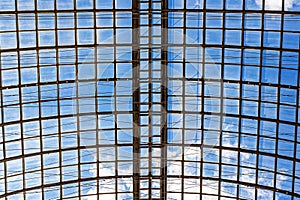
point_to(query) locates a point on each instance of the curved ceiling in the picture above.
(150, 99)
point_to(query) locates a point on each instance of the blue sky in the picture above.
(221, 88)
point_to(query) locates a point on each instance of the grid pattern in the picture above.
(149, 99)
(253, 108)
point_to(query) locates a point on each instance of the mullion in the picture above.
(136, 99)
(167, 9)
(296, 129)
(193, 145)
(237, 29)
(191, 112)
(115, 98)
(202, 94)
(40, 106)
(3, 132)
(221, 99)
(150, 98)
(240, 97)
(171, 176)
(278, 100)
(58, 97)
(183, 102)
(175, 45)
(77, 100)
(20, 101)
(156, 47)
(261, 63)
(96, 100)
(164, 98)
(199, 161)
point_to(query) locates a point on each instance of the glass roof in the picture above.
(149, 99)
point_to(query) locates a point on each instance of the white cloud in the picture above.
(277, 4)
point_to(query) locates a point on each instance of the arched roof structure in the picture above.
(149, 99)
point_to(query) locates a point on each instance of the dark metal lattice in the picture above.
(151, 99)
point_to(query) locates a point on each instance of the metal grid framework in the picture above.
(150, 99)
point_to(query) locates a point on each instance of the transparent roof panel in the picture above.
(152, 99)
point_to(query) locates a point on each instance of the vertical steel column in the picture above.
(136, 98)
(164, 99)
